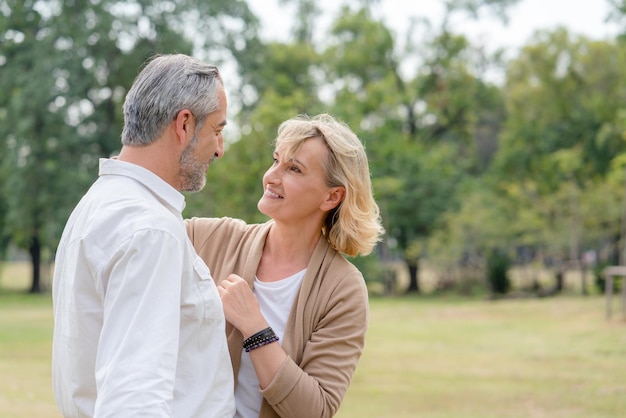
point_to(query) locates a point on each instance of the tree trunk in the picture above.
(35, 256)
(583, 279)
(560, 276)
(414, 284)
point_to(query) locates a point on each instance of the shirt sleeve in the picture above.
(138, 347)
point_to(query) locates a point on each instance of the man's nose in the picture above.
(219, 153)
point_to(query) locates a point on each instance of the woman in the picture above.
(296, 309)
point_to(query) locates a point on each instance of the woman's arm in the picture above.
(316, 387)
(242, 310)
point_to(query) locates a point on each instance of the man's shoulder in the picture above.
(129, 211)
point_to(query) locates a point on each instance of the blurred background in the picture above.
(495, 129)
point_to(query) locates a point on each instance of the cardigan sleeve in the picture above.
(219, 242)
(316, 386)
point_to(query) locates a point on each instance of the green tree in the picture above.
(65, 70)
(430, 126)
(422, 129)
(564, 128)
(617, 11)
(559, 98)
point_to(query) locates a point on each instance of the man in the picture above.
(139, 326)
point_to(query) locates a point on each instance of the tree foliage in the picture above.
(462, 168)
(65, 69)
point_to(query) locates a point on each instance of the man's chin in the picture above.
(195, 185)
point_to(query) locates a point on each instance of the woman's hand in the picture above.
(241, 307)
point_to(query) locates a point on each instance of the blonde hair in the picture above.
(354, 226)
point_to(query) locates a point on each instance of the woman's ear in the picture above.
(334, 198)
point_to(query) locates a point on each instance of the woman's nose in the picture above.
(272, 175)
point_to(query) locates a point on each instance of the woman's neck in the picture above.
(286, 252)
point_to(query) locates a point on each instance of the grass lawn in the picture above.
(425, 357)
(25, 346)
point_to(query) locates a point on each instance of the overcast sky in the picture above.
(584, 17)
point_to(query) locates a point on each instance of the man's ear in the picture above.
(184, 125)
(334, 198)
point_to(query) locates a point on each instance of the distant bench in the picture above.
(609, 274)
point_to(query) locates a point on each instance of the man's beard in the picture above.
(192, 172)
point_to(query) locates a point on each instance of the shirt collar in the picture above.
(154, 183)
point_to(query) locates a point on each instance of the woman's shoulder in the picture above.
(200, 229)
(336, 261)
(342, 269)
(201, 224)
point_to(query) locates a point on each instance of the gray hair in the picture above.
(165, 86)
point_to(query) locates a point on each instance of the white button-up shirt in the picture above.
(138, 322)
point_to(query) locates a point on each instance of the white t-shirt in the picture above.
(138, 322)
(275, 299)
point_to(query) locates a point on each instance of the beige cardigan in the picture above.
(325, 331)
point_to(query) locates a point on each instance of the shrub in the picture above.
(498, 264)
